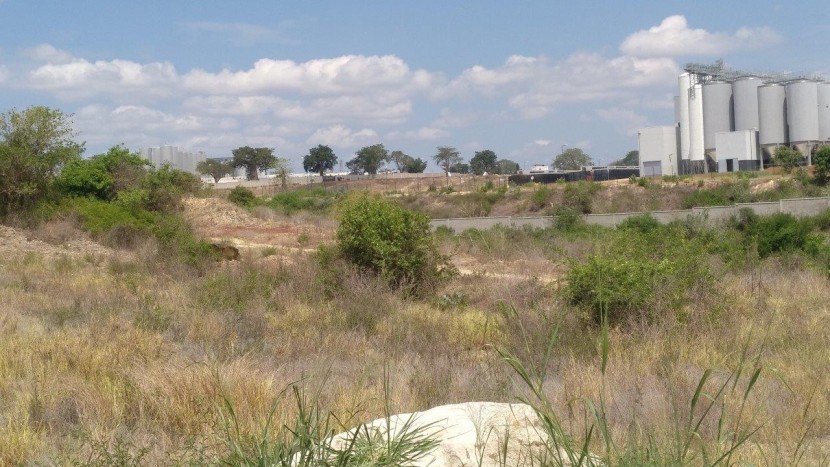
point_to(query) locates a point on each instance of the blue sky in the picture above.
(521, 78)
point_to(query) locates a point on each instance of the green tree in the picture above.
(368, 159)
(630, 159)
(282, 168)
(380, 236)
(103, 176)
(446, 157)
(460, 168)
(254, 160)
(319, 159)
(572, 159)
(35, 144)
(787, 158)
(416, 166)
(507, 167)
(215, 168)
(821, 161)
(484, 161)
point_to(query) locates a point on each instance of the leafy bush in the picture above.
(540, 198)
(787, 158)
(777, 233)
(722, 195)
(382, 237)
(242, 196)
(317, 200)
(821, 162)
(166, 186)
(579, 196)
(643, 223)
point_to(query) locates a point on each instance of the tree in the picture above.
(460, 168)
(821, 161)
(368, 159)
(787, 158)
(282, 168)
(103, 176)
(507, 167)
(446, 157)
(319, 159)
(254, 160)
(483, 161)
(572, 159)
(215, 168)
(35, 144)
(416, 166)
(630, 159)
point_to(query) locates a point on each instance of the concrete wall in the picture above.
(801, 207)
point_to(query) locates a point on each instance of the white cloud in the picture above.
(80, 78)
(48, 53)
(239, 33)
(535, 86)
(673, 37)
(341, 75)
(421, 134)
(342, 137)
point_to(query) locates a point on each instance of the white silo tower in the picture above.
(824, 112)
(717, 112)
(167, 155)
(745, 98)
(772, 117)
(802, 114)
(682, 108)
(696, 149)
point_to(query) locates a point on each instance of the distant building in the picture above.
(167, 154)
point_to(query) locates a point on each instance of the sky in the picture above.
(522, 78)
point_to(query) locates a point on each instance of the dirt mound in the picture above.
(15, 242)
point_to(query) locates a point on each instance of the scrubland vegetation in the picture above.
(683, 344)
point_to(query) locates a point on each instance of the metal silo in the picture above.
(745, 97)
(717, 112)
(802, 111)
(824, 112)
(696, 150)
(772, 116)
(682, 108)
(167, 153)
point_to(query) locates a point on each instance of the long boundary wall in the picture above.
(799, 207)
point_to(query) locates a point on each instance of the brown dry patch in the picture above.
(18, 243)
(220, 220)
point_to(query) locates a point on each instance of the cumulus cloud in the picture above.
(534, 86)
(673, 37)
(339, 75)
(342, 137)
(48, 53)
(80, 78)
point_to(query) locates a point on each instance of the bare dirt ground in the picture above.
(16, 243)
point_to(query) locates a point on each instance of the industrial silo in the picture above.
(772, 117)
(682, 109)
(696, 150)
(802, 112)
(824, 112)
(745, 98)
(167, 153)
(717, 112)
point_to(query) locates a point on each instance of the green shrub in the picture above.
(722, 195)
(821, 162)
(787, 158)
(242, 196)
(540, 197)
(579, 196)
(382, 237)
(778, 233)
(643, 223)
(166, 186)
(317, 200)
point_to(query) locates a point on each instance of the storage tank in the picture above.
(772, 115)
(682, 108)
(802, 111)
(696, 151)
(167, 153)
(745, 98)
(717, 112)
(824, 111)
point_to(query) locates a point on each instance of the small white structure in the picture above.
(181, 160)
(659, 150)
(735, 146)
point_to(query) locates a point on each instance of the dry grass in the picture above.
(120, 357)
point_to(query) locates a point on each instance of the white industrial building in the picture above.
(658, 150)
(167, 154)
(729, 120)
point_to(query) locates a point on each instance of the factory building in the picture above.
(730, 120)
(167, 154)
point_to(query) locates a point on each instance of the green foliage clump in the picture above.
(242, 196)
(778, 233)
(382, 237)
(540, 197)
(103, 176)
(722, 195)
(821, 162)
(643, 223)
(787, 158)
(579, 196)
(317, 200)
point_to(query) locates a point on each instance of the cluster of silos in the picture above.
(794, 113)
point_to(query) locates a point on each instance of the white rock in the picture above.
(470, 434)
